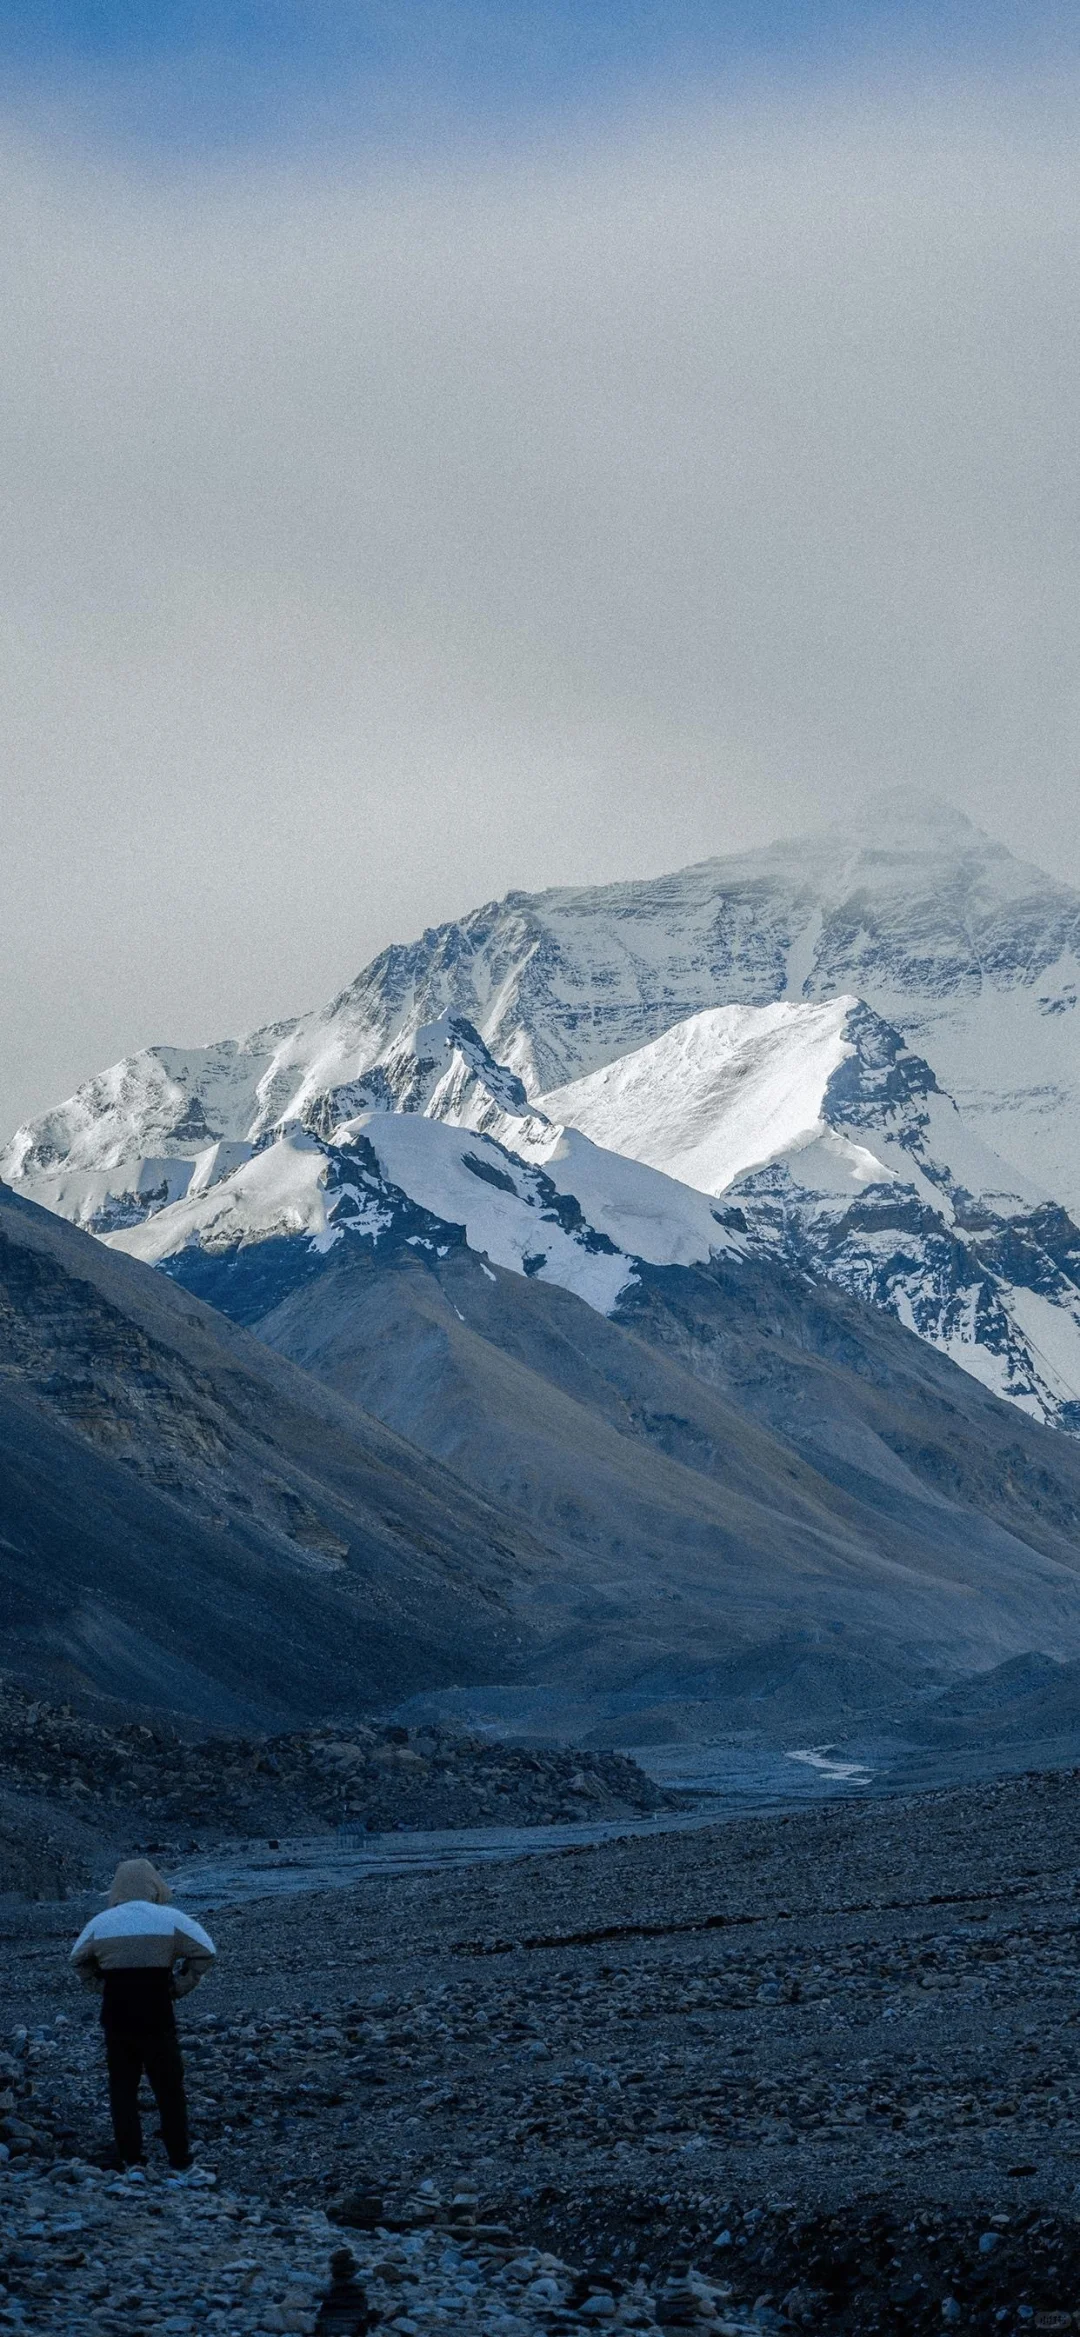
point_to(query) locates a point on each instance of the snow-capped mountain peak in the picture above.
(972, 955)
(808, 1132)
(833, 1085)
(725, 1090)
(834, 1147)
(442, 1069)
(884, 1009)
(408, 1177)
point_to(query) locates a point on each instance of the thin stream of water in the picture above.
(724, 1784)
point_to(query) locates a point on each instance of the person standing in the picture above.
(143, 1953)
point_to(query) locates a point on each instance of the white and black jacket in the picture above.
(141, 1956)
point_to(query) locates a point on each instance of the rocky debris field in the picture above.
(818, 2072)
(84, 2255)
(137, 1784)
(89, 2255)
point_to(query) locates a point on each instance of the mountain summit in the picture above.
(903, 819)
(971, 954)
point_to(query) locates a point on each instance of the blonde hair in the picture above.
(135, 1878)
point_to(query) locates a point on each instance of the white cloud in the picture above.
(374, 543)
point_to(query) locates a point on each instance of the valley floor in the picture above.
(831, 2060)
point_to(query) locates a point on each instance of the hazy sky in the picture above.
(452, 447)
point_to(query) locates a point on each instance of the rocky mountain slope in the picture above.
(716, 1451)
(189, 1522)
(736, 1496)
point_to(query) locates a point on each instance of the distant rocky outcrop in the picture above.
(68, 1783)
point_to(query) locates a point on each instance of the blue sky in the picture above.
(219, 74)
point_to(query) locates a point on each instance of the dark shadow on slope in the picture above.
(188, 1521)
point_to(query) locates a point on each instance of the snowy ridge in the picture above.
(722, 1092)
(809, 1133)
(415, 1179)
(837, 1151)
(208, 1114)
(738, 1087)
(166, 1103)
(974, 956)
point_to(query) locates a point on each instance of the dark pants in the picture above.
(158, 2053)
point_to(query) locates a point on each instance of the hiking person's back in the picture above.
(131, 1948)
(142, 1953)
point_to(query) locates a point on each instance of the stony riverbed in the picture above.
(73, 1789)
(830, 2063)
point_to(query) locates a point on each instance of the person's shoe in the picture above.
(190, 2178)
(135, 2174)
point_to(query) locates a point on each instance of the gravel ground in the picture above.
(830, 2061)
(86, 2256)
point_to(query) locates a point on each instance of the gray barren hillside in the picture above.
(745, 1502)
(766, 1503)
(188, 1521)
